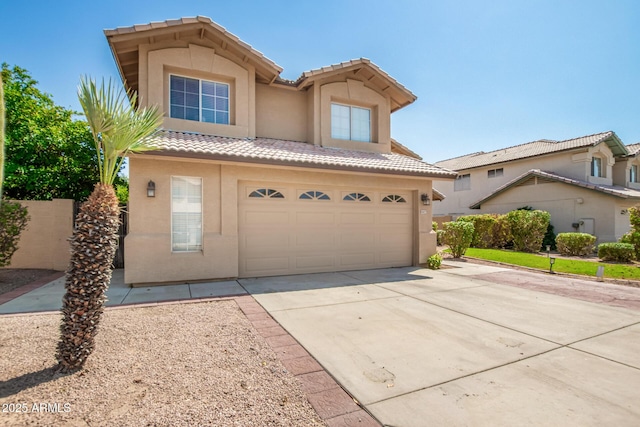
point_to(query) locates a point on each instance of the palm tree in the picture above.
(118, 128)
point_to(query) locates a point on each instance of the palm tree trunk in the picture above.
(93, 247)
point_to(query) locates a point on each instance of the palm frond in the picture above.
(117, 126)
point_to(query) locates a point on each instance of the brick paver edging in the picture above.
(6, 297)
(331, 402)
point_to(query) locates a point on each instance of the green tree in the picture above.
(117, 129)
(48, 153)
(2, 116)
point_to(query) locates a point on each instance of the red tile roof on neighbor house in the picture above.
(290, 153)
(613, 190)
(532, 149)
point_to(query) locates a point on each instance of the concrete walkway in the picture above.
(49, 296)
(467, 345)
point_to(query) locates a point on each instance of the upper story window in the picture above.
(494, 173)
(462, 182)
(199, 100)
(596, 167)
(349, 122)
(633, 173)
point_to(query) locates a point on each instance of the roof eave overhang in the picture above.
(275, 162)
(401, 98)
(530, 174)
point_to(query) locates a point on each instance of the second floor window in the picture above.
(199, 100)
(349, 122)
(596, 167)
(633, 173)
(462, 182)
(493, 173)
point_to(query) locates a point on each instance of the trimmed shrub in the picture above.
(440, 237)
(13, 220)
(434, 226)
(623, 252)
(434, 261)
(501, 233)
(457, 235)
(528, 229)
(633, 238)
(575, 244)
(483, 229)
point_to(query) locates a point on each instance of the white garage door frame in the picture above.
(295, 229)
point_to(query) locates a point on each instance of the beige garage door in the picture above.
(295, 229)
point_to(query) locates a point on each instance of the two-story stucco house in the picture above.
(256, 175)
(587, 184)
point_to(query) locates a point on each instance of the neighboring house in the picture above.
(256, 175)
(587, 184)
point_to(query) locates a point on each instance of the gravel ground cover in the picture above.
(169, 365)
(13, 278)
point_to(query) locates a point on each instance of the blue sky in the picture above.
(487, 74)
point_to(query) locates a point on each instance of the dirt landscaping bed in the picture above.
(171, 365)
(13, 278)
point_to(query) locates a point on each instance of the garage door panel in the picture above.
(356, 240)
(315, 218)
(266, 239)
(261, 217)
(293, 236)
(256, 265)
(360, 260)
(395, 218)
(357, 218)
(394, 238)
(395, 258)
(315, 262)
(317, 240)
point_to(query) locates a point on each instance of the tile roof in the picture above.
(359, 61)
(613, 190)
(531, 149)
(633, 149)
(290, 153)
(192, 20)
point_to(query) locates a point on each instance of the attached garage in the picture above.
(289, 229)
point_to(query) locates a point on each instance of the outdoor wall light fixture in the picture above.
(552, 261)
(151, 189)
(425, 199)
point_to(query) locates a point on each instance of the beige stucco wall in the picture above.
(355, 92)
(44, 244)
(567, 204)
(158, 62)
(573, 164)
(148, 256)
(281, 113)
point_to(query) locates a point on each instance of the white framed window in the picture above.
(494, 173)
(462, 182)
(596, 167)
(199, 100)
(633, 173)
(186, 214)
(350, 122)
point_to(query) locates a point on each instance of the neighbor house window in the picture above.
(633, 173)
(349, 122)
(494, 173)
(462, 182)
(199, 100)
(186, 214)
(596, 167)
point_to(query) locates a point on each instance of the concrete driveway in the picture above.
(474, 345)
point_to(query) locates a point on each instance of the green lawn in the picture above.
(585, 268)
